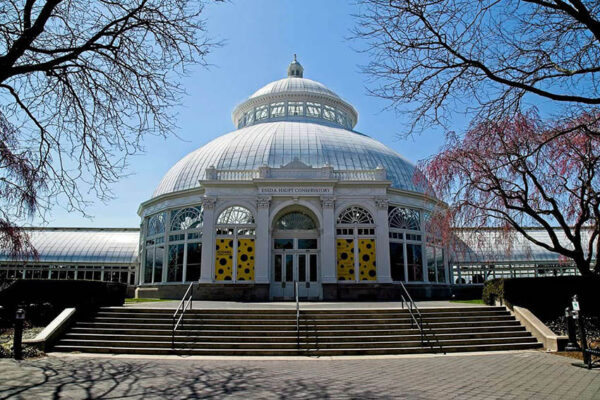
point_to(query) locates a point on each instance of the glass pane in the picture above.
(158, 263)
(284, 243)
(278, 267)
(313, 268)
(302, 268)
(414, 257)
(296, 220)
(289, 268)
(295, 108)
(148, 265)
(307, 243)
(277, 110)
(397, 261)
(175, 265)
(430, 253)
(439, 262)
(313, 110)
(194, 257)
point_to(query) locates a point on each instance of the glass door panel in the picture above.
(302, 268)
(289, 268)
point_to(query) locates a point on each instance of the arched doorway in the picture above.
(295, 249)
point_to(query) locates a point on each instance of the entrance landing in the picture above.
(236, 305)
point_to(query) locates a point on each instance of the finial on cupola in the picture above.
(295, 70)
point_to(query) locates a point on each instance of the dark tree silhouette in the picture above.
(81, 83)
(433, 58)
(517, 173)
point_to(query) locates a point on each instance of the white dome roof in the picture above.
(278, 143)
(295, 85)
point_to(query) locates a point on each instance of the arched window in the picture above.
(235, 245)
(295, 220)
(355, 215)
(187, 218)
(355, 243)
(411, 258)
(235, 215)
(156, 224)
(404, 218)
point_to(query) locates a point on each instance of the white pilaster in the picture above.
(263, 248)
(328, 260)
(208, 239)
(382, 241)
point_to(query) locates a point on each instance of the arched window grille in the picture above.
(187, 218)
(235, 215)
(235, 245)
(295, 220)
(355, 243)
(404, 218)
(355, 215)
(156, 224)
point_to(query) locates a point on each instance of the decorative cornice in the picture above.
(328, 201)
(263, 202)
(208, 203)
(382, 202)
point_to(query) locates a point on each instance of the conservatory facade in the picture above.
(292, 195)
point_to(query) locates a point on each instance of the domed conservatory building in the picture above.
(293, 194)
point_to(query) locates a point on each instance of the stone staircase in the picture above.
(266, 332)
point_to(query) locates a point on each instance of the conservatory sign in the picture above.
(295, 190)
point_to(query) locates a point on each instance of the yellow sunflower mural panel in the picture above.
(345, 259)
(366, 260)
(245, 260)
(224, 260)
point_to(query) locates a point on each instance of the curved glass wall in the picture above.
(282, 109)
(173, 255)
(414, 256)
(355, 244)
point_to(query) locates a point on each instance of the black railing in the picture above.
(297, 315)
(182, 307)
(425, 331)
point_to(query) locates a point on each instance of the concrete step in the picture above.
(304, 314)
(261, 311)
(290, 338)
(303, 319)
(290, 345)
(291, 352)
(235, 332)
(274, 332)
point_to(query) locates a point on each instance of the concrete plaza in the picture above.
(506, 375)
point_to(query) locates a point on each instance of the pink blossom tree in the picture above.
(525, 172)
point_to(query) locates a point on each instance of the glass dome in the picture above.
(291, 119)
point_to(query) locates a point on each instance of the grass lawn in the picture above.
(133, 301)
(474, 301)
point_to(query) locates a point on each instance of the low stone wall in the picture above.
(383, 291)
(208, 291)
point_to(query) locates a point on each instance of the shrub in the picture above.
(493, 290)
(546, 297)
(44, 299)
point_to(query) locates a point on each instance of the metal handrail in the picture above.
(297, 315)
(412, 306)
(183, 306)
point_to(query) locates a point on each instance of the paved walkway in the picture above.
(509, 375)
(317, 305)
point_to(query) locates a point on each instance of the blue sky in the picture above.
(260, 38)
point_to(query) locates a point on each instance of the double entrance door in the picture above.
(293, 264)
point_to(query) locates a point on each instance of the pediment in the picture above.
(296, 164)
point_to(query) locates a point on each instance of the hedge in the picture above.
(44, 299)
(546, 297)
